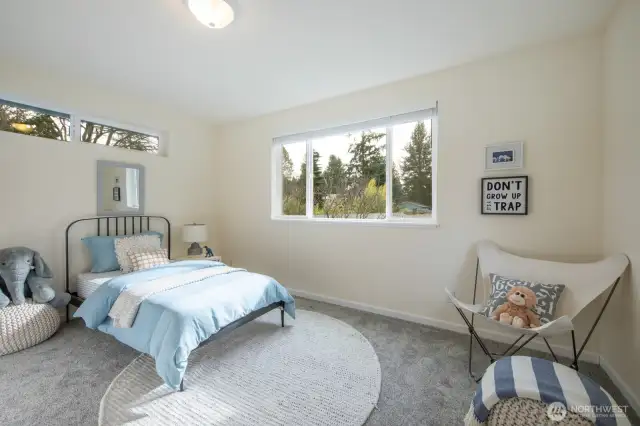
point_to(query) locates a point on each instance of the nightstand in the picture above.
(214, 258)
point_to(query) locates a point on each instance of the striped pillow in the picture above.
(148, 259)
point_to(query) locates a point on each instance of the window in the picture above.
(120, 138)
(28, 120)
(34, 121)
(380, 171)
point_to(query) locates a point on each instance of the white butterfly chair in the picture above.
(584, 282)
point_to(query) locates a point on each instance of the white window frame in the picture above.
(76, 124)
(388, 123)
(75, 128)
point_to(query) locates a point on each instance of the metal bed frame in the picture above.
(122, 225)
(118, 226)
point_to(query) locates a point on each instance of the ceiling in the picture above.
(278, 53)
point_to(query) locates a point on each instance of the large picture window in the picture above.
(380, 171)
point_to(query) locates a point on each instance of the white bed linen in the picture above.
(89, 282)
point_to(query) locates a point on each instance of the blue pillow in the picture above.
(103, 251)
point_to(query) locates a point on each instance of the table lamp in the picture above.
(194, 234)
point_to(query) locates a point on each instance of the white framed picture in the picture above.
(504, 156)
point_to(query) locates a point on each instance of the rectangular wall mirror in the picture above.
(120, 189)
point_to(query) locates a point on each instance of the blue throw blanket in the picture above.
(170, 324)
(546, 381)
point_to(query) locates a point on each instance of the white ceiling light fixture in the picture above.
(212, 13)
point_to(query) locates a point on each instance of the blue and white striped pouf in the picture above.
(26, 325)
(562, 389)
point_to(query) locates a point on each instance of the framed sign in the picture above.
(505, 195)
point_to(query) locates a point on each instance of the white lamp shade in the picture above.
(212, 13)
(194, 233)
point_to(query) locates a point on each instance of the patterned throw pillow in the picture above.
(134, 244)
(547, 296)
(148, 259)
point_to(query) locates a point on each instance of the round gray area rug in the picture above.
(315, 371)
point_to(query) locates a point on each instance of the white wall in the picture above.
(621, 345)
(46, 184)
(549, 96)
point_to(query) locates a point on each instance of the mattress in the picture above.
(89, 282)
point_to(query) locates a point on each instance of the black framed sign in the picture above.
(505, 195)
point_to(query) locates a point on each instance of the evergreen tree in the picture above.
(397, 188)
(416, 167)
(317, 170)
(368, 161)
(302, 180)
(318, 181)
(335, 175)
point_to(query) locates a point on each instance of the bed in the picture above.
(190, 304)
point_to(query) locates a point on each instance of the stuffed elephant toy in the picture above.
(20, 266)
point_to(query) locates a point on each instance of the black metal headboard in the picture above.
(116, 225)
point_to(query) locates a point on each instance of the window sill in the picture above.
(365, 222)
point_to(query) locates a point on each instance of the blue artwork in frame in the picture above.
(509, 155)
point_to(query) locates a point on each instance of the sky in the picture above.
(339, 146)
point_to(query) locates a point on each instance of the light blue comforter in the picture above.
(171, 324)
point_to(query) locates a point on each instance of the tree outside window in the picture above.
(16, 118)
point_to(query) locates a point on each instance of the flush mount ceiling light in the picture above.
(212, 13)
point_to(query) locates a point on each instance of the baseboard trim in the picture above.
(624, 387)
(564, 351)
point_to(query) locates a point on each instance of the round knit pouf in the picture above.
(26, 325)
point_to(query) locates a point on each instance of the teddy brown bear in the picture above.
(517, 310)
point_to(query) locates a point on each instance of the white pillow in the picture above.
(134, 244)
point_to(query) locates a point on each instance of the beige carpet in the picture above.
(315, 371)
